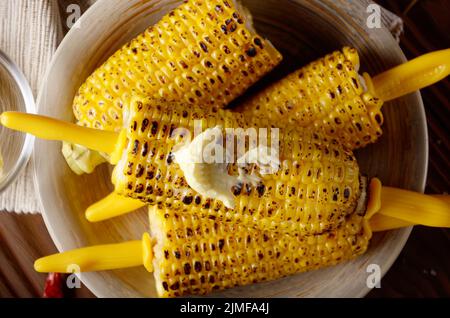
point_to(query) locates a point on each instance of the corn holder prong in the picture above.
(100, 257)
(391, 208)
(111, 206)
(53, 129)
(411, 76)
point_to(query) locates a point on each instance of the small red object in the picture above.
(53, 286)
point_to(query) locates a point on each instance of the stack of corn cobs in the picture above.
(216, 225)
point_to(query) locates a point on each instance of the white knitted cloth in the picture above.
(30, 32)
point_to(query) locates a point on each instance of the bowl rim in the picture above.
(346, 19)
(30, 107)
(405, 232)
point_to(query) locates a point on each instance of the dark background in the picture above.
(423, 267)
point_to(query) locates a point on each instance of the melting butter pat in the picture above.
(208, 179)
(209, 176)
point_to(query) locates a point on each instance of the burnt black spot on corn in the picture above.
(144, 124)
(245, 255)
(149, 63)
(260, 188)
(139, 171)
(170, 158)
(135, 147)
(306, 167)
(204, 47)
(326, 95)
(236, 189)
(154, 128)
(187, 200)
(251, 51)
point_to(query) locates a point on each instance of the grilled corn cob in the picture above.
(313, 190)
(204, 52)
(327, 95)
(192, 254)
(195, 255)
(330, 96)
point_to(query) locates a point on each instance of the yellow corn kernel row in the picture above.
(203, 52)
(198, 255)
(315, 187)
(327, 95)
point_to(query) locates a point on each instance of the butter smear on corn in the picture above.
(206, 169)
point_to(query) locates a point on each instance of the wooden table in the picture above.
(423, 267)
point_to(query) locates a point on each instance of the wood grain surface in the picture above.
(422, 269)
(23, 238)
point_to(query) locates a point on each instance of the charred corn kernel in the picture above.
(204, 53)
(199, 255)
(327, 95)
(315, 186)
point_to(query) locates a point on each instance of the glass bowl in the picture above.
(15, 95)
